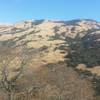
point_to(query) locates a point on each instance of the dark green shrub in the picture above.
(79, 54)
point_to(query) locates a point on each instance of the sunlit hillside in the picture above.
(50, 60)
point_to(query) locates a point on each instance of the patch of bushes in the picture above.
(79, 54)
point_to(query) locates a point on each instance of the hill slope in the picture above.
(42, 44)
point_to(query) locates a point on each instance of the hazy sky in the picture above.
(16, 10)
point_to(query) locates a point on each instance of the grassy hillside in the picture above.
(39, 60)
